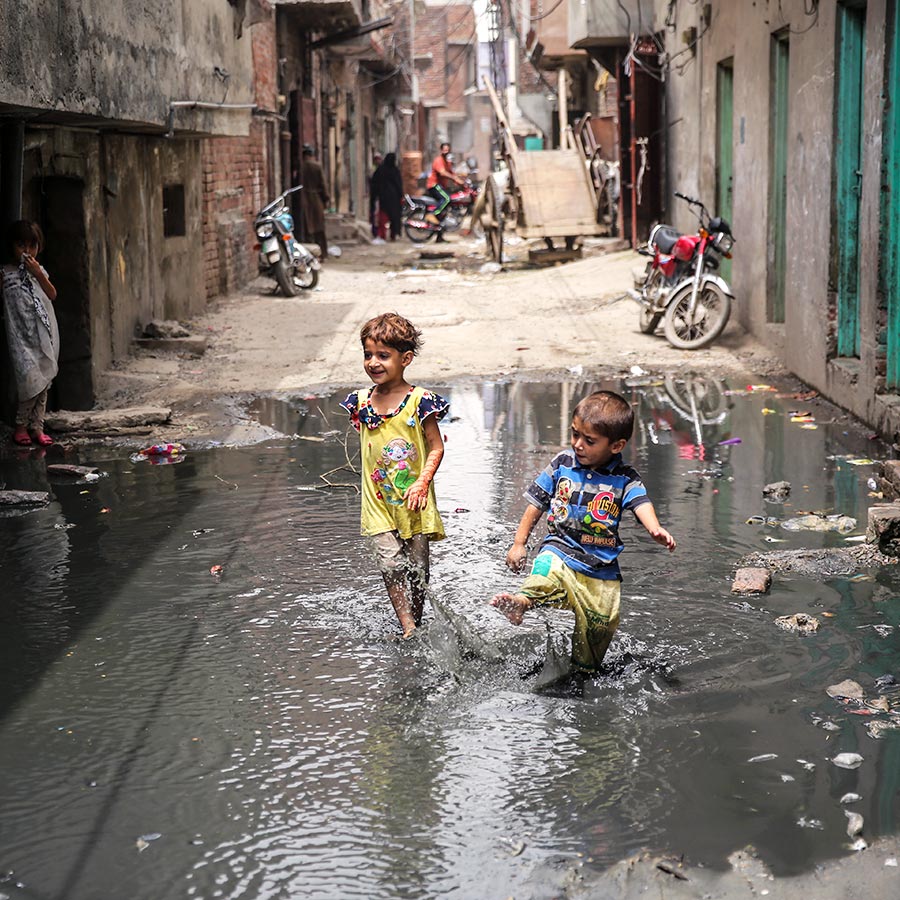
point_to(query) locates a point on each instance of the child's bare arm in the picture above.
(34, 267)
(646, 515)
(416, 495)
(518, 553)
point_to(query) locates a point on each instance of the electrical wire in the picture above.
(549, 12)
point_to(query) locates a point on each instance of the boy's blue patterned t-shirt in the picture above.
(584, 507)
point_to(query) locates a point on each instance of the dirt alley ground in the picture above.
(524, 321)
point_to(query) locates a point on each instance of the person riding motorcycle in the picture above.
(441, 180)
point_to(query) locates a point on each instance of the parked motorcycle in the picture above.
(281, 255)
(680, 284)
(421, 222)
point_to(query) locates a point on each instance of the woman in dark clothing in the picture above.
(387, 189)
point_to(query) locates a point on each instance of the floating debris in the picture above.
(855, 823)
(803, 822)
(777, 490)
(848, 760)
(763, 757)
(800, 623)
(807, 765)
(816, 522)
(848, 688)
(768, 521)
(850, 797)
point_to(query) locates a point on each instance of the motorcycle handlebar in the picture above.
(687, 199)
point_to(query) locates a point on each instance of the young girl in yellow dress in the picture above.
(400, 448)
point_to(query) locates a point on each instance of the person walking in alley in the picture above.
(31, 329)
(401, 449)
(315, 199)
(584, 490)
(387, 189)
(441, 180)
(377, 159)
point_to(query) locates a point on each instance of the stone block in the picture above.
(23, 499)
(890, 478)
(107, 419)
(751, 581)
(883, 528)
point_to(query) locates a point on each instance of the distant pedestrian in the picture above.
(373, 198)
(585, 490)
(315, 199)
(387, 187)
(31, 329)
(401, 448)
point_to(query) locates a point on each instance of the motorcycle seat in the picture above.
(664, 236)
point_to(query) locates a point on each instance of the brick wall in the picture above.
(239, 177)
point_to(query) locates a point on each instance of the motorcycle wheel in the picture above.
(284, 275)
(417, 235)
(649, 320)
(305, 277)
(708, 322)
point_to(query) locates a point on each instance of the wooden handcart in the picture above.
(549, 194)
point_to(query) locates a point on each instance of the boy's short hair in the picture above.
(392, 329)
(608, 413)
(23, 232)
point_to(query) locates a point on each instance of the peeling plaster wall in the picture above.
(125, 60)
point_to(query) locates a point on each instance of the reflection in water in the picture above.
(258, 736)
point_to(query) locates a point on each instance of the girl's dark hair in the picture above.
(23, 232)
(608, 413)
(392, 329)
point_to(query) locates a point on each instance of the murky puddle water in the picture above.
(166, 732)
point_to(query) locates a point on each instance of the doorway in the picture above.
(890, 209)
(848, 173)
(66, 259)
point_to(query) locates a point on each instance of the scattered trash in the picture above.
(855, 538)
(490, 268)
(577, 370)
(786, 778)
(892, 861)
(216, 571)
(160, 454)
(803, 419)
(460, 509)
(774, 540)
(871, 483)
(706, 473)
(880, 630)
(816, 522)
(413, 291)
(803, 822)
(855, 823)
(807, 765)
(763, 757)
(860, 461)
(850, 797)
(755, 388)
(144, 841)
(335, 251)
(848, 760)
(877, 728)
(89, 473)
(768, 521)
(200, 531)
(767, 411)
(105, 509)
(883, 681)
(777, 490)
(728, 442)
(669, 869)
(848, 689)
(858, 844)
(800, 623)
(637, 370)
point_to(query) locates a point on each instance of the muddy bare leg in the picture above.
(395, 582)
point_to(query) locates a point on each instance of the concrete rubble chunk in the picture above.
(826, 562)
(107, 419)
(883, 528)
(195, 346)
(777, 490)
(890, 478)
(73, 471)
(165, 328)
(19, 499)
(751, 581)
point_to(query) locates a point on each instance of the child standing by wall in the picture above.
(585, 491)
(31, 329)
(400, 451)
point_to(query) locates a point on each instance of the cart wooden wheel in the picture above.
(493, 222)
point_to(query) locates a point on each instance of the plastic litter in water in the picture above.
(848, 760)
(850, 797)
(763, 757)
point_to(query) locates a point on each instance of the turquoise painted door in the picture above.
(725, 148)
(890, 209)
(778, 141)
(848, 173)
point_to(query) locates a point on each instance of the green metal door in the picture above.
(778, 141)
(725, 148)
(848, 173)
(890, 207)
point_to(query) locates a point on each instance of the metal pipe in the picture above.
(200, 104)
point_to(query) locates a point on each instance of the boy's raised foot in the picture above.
(513, 606)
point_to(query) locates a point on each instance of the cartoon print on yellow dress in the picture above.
(395, 474)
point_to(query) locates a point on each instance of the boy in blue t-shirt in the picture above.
(584, 491)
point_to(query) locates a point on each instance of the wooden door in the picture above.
(848, 173)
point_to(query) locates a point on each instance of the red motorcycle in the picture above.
(680, 283)
(421, 222)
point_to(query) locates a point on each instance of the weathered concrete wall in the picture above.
(126, 60)
(743, 32)
(134, 273)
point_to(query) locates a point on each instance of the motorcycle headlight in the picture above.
(723, 242)
(265, 230)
